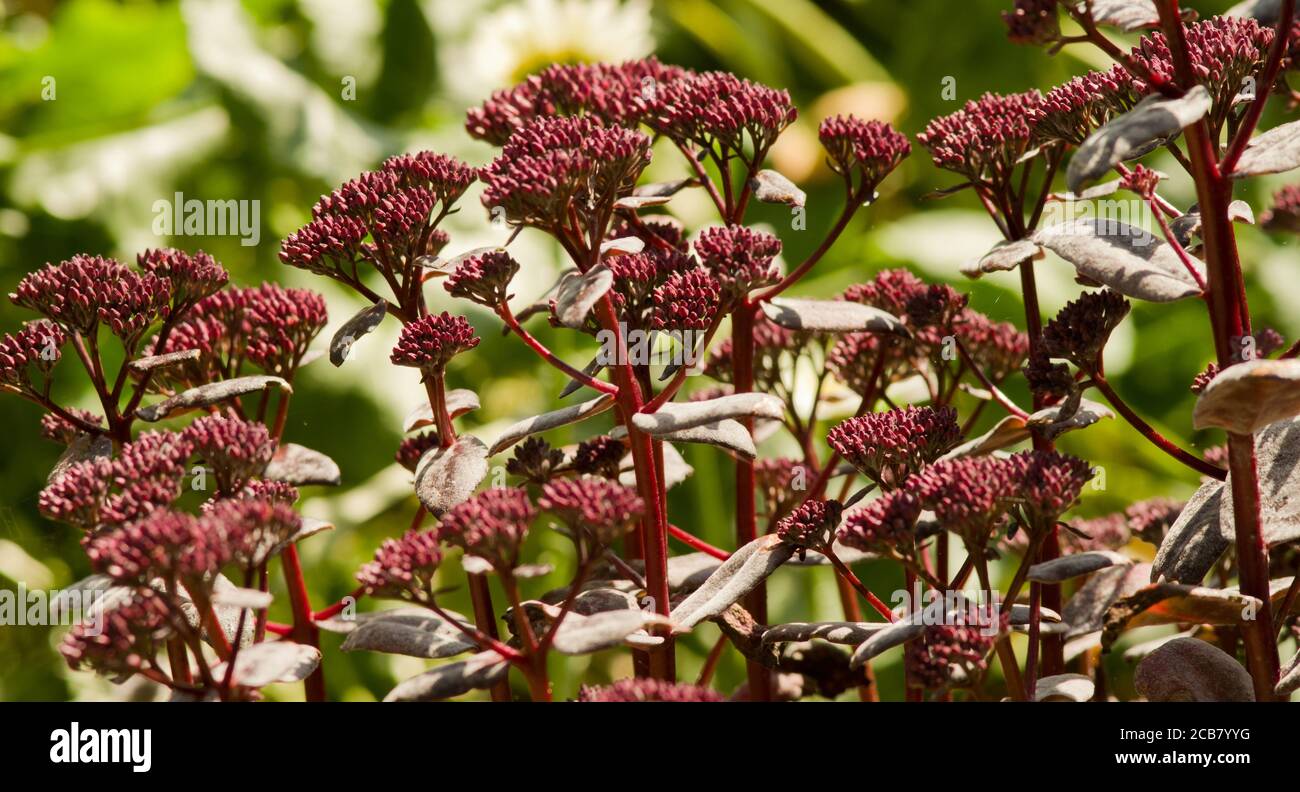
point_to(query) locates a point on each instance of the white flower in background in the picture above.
(345, 36)
(503, 46)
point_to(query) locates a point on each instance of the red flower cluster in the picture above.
(718, 109)
(871, 149)
(886, 523)
(687, 301)
(605, 509)
(810, 525)
(491, 525)
(1049, 485)
(1075, 109)
(998, 348)
(84, 291)
(269, 326)
(432, 341)
(968, 495)
(120, 641)
(193, 276)
(985, 138)
(771, 342)
(952, 655)
(1285, 212)
(57, 429)
(536, 462)
(599, 456)
(165, 544)
(553, 164)
(890, 447)
(393, 206)
(404, 568)
(411, 449)
(146, 475)
(236, 449)
(783, 482)
(254, 529)
(628, 690)
(741, 258)
(38, 345)
(483, 279)
(614, 93)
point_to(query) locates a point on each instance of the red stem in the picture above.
(1149, 432)
(304, 629)
(696, 543)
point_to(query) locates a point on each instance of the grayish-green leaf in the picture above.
(209, 394)
(550, 420)
(1152, 121)
(1004, 256)
(736, 577)
(413, 634)
(1076, 565)
(479, 671)
(679, 416)
(774, 188)
(845, 633)
(446, 477)
(1275, 151)
(302, 467)
(579, 635)
(359, 325)
(831, 316)
(1125, 258)
(1246, 397)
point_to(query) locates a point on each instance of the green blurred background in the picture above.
(107, 107)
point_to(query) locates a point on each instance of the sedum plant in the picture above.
(913, 485)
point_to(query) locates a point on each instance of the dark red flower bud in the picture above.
(1082, 328)
(1033, 22)
(193, 276)
(719, 109)
(254, 529)
(1052, 381)
(998, 348)
(599, 456)
(890, 291)
(1202, 381)
(165, 544)
(58, 429)
(1075, 109)
(404, 568)
(886, 523)
(552, 164)
(325, 246)
(120, 641)
(37, 346)
(811, 524)
(1108, 532)
(954, 655)
(1285, 213)
(431, 342)
(784, 483)
(236, 449)
(597, 507)
(147, 475)
(687, 301)
(77, 497)
(968, 495)
(483, 279)
(279, 325)
(1149, 520)
(412, 449)
(1049, 485)
(869, 148)
(491, 525)
(985, 138)
(445, 178)
(84, 291)
(535, 461)
(741, 258)
(889, 447)
(627, 690)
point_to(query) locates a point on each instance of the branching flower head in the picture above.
(889, 447)
(120, 641)
(484, 279)
(869, 150)
(404, 568)
(998, 348)
(165, 544)
(254, 529)
(687, 300)
(280, 325)
(34, 348)
(886, 523)
(146, 475)
(412, 449)
(968, 495)
(193, 276)
(1049, 485)
(1080, 331)
(717, 109)
(593, 506)
(57, 429)
(628, 690)
(984, 140)
(430, 343)
(956, 654)
(600, 456)
(1150, 519)
(491, 525)
(236, 449)
(1072, 111)
(742, 259)
(783, 482)
(553, 165)
(86, 291)
(810, 525)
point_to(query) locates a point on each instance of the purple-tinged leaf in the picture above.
(414, 635)
(152, 362)
(771, 187)
(1064, 687)
(1189, 669)
(209, 394)
(550, 420)
(482, 670)
(302, 467)
(364, 321)
(1125, 258)
(1275, 151)
(831, 316)
(679, 416)
(1246, 397)
(446, 477)
(1004, 257)
(1076, 565)
(1150, 123)
(845, 633)
(736, 577)
(268, 663)
(459, 401)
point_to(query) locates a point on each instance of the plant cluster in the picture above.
(914, 485)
